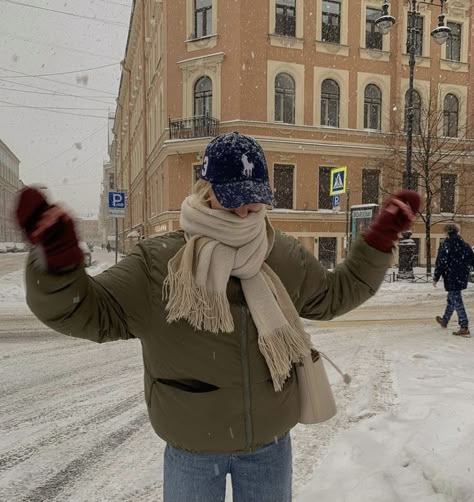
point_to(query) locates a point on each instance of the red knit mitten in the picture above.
(392, 220)
(49, 227)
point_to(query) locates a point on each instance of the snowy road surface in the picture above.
(73, 422)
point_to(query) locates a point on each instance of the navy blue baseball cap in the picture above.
(235, 166)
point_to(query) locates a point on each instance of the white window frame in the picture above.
(461, 92)
(297, 72)
(383, 83)
(342, 79)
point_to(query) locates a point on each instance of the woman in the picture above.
(216, 308)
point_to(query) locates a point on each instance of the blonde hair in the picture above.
(203, 189)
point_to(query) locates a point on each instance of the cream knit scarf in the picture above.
(220, 244)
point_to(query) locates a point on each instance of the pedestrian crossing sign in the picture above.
(338, 180)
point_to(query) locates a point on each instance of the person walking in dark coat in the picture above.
(454, 260)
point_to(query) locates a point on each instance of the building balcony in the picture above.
(201, 126)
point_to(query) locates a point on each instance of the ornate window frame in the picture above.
(281, 40)
(366, 53)
(195, 68)
(342, 48)
(458, 12)
(424, 60)
(207, 42)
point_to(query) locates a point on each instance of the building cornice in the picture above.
(3, 146)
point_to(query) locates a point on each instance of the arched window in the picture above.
(203, 97)
(451, 116)
(416, 112)
(284, 98)
(372, 107)
(330, 98)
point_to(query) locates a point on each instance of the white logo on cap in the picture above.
(205, 165)
(248, 166)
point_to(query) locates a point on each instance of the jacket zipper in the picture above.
(246, 378)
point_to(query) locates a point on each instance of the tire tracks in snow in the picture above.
(69, 431)
(52, 488)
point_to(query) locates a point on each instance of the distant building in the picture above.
(88, 229)
(315, 83)
(106, 223)
(9, 184)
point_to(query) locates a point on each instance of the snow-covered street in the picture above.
(74, 427)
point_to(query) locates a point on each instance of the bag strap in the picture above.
(346, 377)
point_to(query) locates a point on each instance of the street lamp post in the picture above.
(440, 35)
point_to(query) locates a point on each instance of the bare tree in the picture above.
(442, 165)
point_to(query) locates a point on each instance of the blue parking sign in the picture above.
(116, 200)
(117, 204)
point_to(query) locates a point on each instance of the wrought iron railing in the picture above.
(200, 126)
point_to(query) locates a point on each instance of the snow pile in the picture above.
(421, 449)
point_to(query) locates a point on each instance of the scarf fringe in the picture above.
(204, 310)
(282, 348)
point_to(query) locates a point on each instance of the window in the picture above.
(453, 45)
(203, 97)
(447, 194)
(284, 98)
(416, 111)
(197, 168)
(331, 21)
(373, 37)
(283, 185)
(419, 23)
(370, 186)
(202, 18)
(327, 251)
(324, 201)
(372, 107)
(330, 97)
(450, 116)
(285, 23)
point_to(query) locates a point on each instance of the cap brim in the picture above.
(239, 193)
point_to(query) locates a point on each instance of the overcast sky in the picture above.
(63, 147)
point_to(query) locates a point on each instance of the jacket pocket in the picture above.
(186, 385)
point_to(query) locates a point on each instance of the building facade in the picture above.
(9, 184)
(314, 82)
(106, 223)
(88, 230)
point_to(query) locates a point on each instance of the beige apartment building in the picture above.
(312, 80)
(88, 230)
(9, 184)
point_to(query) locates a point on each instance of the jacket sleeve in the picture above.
(327, 294)
(113, 305)
(440, 264)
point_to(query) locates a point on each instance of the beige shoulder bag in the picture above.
(316, 399)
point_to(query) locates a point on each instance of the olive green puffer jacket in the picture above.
(205, 392)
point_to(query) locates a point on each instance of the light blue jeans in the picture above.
(455, 303)
(261, 476)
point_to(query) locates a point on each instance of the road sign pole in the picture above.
(348, 199)
(116, 240)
